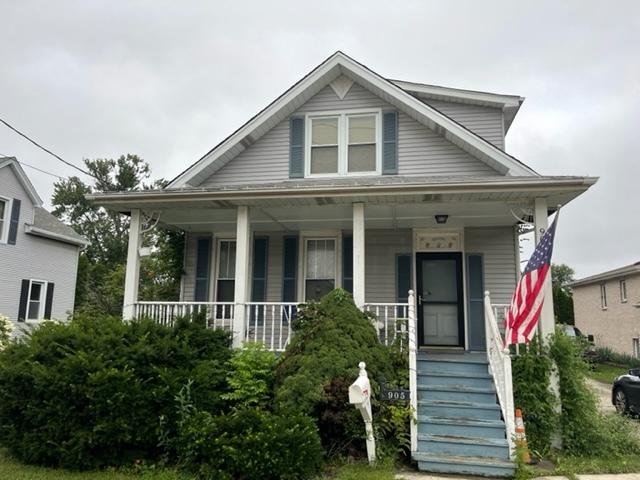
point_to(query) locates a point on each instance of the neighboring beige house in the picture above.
(607, 306)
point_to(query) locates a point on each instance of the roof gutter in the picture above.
(55, 236)
(177, 195)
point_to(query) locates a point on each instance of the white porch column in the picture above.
(241, 292)
(132, 275)
(358, 254)
(546, 325)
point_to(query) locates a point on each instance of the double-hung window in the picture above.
(623, 291)
(344, 144)
(320, 267)
(226, 283)
(36, 299)
(603, 296)
(4, 219)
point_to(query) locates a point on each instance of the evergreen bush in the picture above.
(91, 393)
(314, 373)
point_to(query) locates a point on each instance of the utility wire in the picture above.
(40, 170)
(45, 149)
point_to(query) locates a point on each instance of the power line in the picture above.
(45, 149)
(40, 170)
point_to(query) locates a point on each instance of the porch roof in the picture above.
(558, 190)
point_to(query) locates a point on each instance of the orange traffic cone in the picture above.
(521, 438)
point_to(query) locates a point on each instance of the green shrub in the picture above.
(315, 371)
(91, 393)
(250, 444)
(608, 355)
(531, 393)
(585, 431)
(251, 377)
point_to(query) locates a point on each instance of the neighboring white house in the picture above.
(38, 253)
(607, 306)
(378, 186)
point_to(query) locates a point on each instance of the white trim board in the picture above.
(336, 65)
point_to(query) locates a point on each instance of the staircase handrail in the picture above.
(413, 374)
(500, 369)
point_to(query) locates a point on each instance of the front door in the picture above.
(440, 299)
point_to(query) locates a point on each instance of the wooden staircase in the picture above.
(460, 425)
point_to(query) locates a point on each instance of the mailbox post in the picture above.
(360, 396)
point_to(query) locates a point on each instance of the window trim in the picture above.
(603, 296)
(42, 300)
(6, 221)
(337, 272)
(623, 290)
(343, 141)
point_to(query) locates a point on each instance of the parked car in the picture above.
(625, 393)
(589, 353)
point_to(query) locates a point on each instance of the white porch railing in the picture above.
(500, 368)
(270, 323)
(217, 314)
(390, 321)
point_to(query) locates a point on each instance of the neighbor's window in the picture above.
(636, 347)
(343, 144)
(226, 284)
(35, 305)
(623, 291)
(603, 295)
(320, 268)
(4, 219)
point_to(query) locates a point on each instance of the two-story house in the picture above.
(607, 306)
(401, 193)
(38, 253)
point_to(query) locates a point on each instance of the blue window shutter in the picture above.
(296, 147)
(403, 277)
(289, 269)
(347, 263)
(203, 260)
(13, 223)
(475, 295)
(259, 277)
(389, 143)
(48, 304)
(22, 308)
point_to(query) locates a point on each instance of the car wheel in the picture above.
(620, 401)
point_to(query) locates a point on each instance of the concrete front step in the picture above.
(461, 427)
(463, 446)
(450, 378)
(459, 393)
(453, 409)
(492, 467)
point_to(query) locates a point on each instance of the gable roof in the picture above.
(13, 163)
(627, 270)
(49, 226)
(336, 65)
(509, 104)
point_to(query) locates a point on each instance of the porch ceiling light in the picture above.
(441, 218)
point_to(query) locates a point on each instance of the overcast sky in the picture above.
(169, 80)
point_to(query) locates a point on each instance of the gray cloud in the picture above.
(168, 80)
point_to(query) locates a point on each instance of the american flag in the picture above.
(528, 298)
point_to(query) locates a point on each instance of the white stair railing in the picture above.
(390, 322)
(413, 370)
(500, 369)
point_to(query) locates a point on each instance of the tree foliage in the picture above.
(101, 267)
(561, 275)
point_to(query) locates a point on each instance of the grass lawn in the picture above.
(11, 469)
(606, 372)
(360, 471)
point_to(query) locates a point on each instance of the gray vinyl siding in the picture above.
(497, 246)
(486, 122)
(189, 277)
(420, 150)
(380, 250)
(34, 258)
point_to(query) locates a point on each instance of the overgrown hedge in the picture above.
(90, 393)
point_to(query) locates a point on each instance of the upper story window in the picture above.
(623, 291)
(4, 219)
(343, 144)
(35, 300)
(603, 296)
